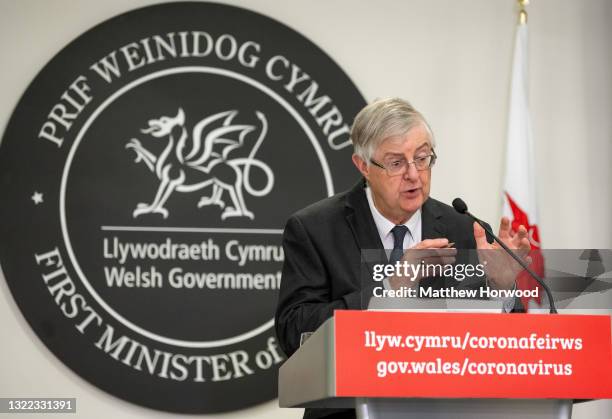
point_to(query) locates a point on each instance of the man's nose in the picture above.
(410, 172)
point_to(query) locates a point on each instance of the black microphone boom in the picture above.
(461, 208)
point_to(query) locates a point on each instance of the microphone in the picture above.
(461, 207)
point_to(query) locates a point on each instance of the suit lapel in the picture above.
(432, 225)
(359, 218)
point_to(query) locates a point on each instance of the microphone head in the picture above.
(459, 205)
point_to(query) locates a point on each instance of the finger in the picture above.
(480, 237)
(525, 244)
(431, 244)
(521, 239)
(504, 228)
(416, 254)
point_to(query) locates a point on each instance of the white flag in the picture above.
(519, 180)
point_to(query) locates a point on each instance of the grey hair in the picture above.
(382, 119)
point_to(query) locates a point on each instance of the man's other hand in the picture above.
(501, 269)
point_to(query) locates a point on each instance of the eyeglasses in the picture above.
(396, 167)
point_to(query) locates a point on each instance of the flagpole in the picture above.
(520, 197)
(522, 12)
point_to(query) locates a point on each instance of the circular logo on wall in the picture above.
(146, 176)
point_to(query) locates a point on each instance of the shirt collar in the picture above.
(383, 225)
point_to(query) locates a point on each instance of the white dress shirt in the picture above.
(384, 226)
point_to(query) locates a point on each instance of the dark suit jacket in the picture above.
(323, 272)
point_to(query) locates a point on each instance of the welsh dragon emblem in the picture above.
(204, 157)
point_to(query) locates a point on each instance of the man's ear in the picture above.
(361, 165)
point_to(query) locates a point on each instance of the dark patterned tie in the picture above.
(399, 232)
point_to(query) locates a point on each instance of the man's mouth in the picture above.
(411, 192)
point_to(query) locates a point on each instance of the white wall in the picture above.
(451, 59)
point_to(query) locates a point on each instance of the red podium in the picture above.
(465, 365)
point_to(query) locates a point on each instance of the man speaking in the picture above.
(389, 208)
